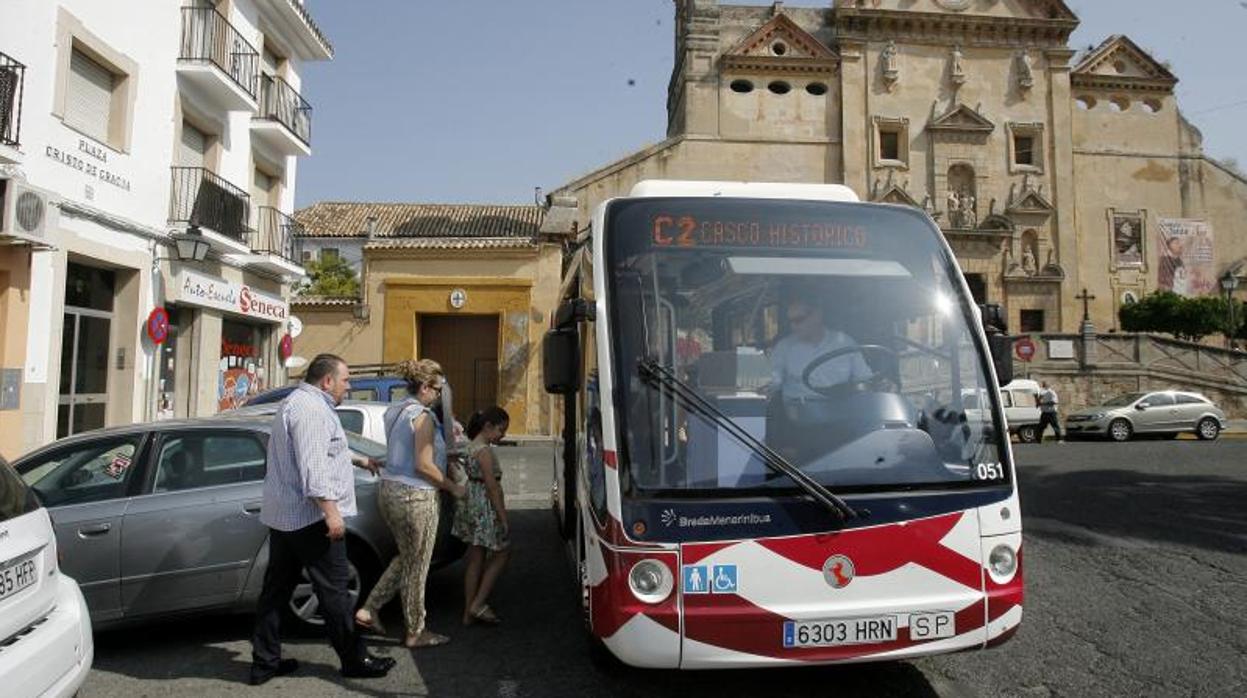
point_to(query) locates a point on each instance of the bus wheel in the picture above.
(1120, 430)
(1028, 434)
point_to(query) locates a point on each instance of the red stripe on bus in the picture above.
(611, 459)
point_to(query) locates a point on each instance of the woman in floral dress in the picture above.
(481, 516)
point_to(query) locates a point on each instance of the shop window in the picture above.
(1032, 321)
(242, 366)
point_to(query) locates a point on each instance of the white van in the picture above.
(45, 630)
(1020, 400)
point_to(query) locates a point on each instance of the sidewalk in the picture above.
(1236, 428)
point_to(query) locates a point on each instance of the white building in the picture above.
(120, 131)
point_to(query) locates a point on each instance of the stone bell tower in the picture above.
(692, 94)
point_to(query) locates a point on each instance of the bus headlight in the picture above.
(650, 581)
(1002, 561)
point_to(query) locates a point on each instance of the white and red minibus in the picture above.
(766, 458)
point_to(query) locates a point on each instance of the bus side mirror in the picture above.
(560, 365)
(1001, 346)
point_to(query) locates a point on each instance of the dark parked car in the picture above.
(163, 518)
(368, 388)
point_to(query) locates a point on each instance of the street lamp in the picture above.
(190, 245)
(1229, 282)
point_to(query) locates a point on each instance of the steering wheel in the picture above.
(877, 383)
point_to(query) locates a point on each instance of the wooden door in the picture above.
(467, 348)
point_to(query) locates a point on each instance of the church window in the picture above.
(1120, 104)
(779, 87)
(779, 48)
(1026, 147)
(1152, 105)
(889, 145)
(743, 87)
(1032, 321)
(1023, 149)
(818, 89)
(891, 142)
(1086, 102)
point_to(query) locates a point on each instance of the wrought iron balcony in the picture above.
(277, 234)
(12, 81)
(282, 104)
(209, 39)
(203, 198)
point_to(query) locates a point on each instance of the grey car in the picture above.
(1165, 412)
(163, 518)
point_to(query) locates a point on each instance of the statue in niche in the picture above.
(954, 209)
(969, 213)
(891, 70)
(957, 70)
(1029, 264)
(1026, 74)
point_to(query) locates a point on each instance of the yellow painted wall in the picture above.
(14, 308)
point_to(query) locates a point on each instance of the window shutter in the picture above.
(89, 96)
(194, 145)
(262, 189)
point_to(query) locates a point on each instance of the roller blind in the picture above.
(89, 97)
(194, 145)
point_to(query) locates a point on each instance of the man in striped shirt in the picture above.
(309, 488)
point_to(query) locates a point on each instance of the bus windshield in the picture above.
(833, 336)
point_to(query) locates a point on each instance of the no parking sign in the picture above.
(158, 325)
(1024, 348)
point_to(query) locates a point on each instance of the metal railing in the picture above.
(278, 234)
(204, 199)
(208, 37)
(282, 103)
(12, 80)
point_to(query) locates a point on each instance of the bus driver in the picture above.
(808, 339)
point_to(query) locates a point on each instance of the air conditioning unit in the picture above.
(25, 213)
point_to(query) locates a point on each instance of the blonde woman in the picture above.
(415, 471)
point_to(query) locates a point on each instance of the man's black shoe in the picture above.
(370, 668)
(259, 677)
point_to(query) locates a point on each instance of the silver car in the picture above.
(1166, 412)
(163, 518)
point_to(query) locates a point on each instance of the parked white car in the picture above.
(46, 646)
(1020, 400)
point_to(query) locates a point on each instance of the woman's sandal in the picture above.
(426, 639)
(485, 615)
(369, 622)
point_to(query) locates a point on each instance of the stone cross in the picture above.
(1086, 298)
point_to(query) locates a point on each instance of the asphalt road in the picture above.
(1136, 564)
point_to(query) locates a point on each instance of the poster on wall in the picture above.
(1187, 257)
(1127, 239)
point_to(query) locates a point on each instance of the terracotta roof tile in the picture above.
(350, 219)
(444, 243)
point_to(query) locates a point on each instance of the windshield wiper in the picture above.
(655, 372)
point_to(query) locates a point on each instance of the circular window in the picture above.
(817, 89)
(743, 87)
(779, 87)
(779, 48)
(1120, 104)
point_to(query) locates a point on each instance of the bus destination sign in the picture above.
(693, 232)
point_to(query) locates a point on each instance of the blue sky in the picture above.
(483, 100)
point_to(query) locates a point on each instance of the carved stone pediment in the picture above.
(1028, 200)
(1119, 62)
(962, 118)
(895, 194)
(781, 46)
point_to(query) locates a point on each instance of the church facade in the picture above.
(1049, 170)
